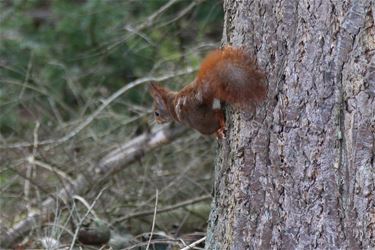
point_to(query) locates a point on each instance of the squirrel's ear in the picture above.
(157, 93)
(154, 88)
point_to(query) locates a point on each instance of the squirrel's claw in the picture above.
(220, 133)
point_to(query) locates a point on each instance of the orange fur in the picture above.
(217, 71)
(226, 75)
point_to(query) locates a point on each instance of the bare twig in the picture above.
(182, 13)
(153, 219)
(172, 183)
(86, 204)
(30, 168)
(150, 20)
(165, 209)
(34, 88)
(84, 217)
(50, 168)
(192, 245)
(63, 228)
(148, 23)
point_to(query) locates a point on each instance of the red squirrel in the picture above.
(226, 75)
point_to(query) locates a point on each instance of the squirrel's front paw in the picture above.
(181, 102)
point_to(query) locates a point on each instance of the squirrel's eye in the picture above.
(157, 113)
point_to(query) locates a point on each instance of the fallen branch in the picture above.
(116, 160)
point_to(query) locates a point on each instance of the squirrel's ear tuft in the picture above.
(154, 88)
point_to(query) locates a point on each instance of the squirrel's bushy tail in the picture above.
(231, 75)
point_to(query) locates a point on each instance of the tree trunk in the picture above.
(299, 172)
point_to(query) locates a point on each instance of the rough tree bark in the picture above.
(299, 172)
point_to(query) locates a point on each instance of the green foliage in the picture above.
(72, 52)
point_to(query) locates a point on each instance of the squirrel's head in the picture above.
(161, 98)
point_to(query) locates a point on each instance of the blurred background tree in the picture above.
(59, 60)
